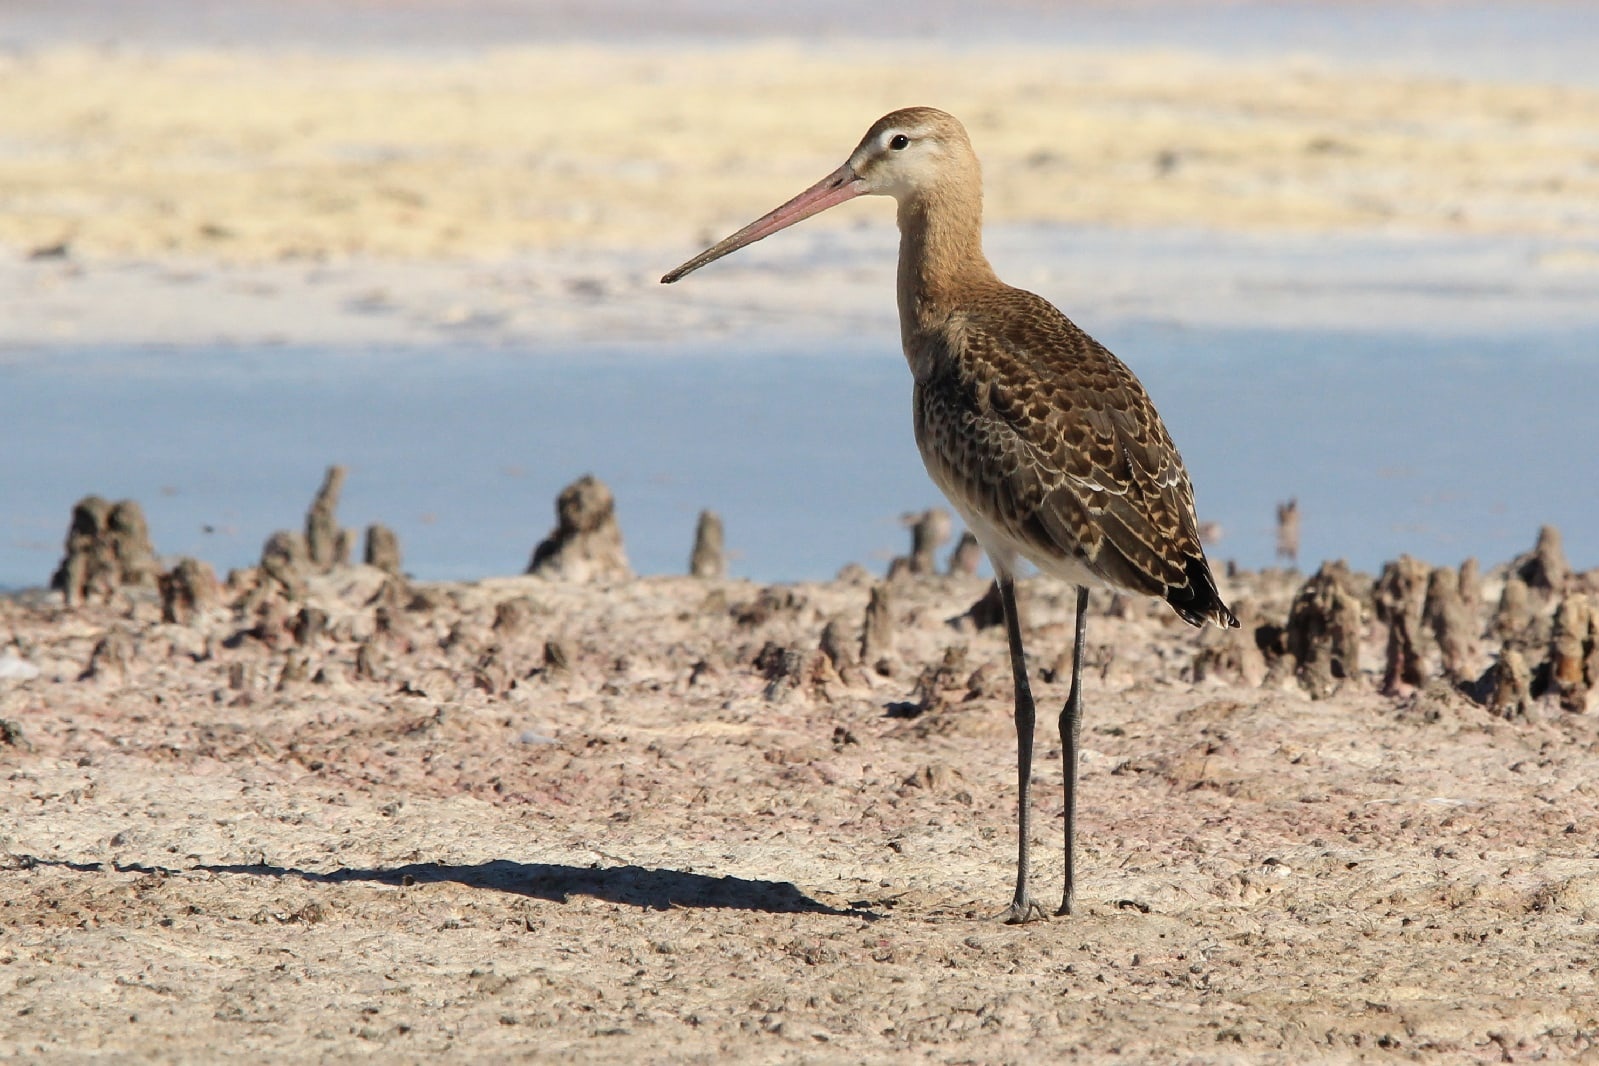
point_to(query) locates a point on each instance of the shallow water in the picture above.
(1393, 442)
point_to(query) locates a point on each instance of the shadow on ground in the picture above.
(635, 886)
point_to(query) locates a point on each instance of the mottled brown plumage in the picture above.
(1032, 425)
(1042, 439)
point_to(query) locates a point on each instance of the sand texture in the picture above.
(651, 820)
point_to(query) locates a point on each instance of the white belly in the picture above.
(1003, 550)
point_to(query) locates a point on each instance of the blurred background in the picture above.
(1351, 249)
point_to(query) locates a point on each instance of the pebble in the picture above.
(15, 669)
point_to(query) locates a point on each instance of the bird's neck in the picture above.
(941, 261)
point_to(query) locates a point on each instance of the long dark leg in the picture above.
(1022, 908)
(1071, 727)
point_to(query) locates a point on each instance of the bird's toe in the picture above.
(1024, 910)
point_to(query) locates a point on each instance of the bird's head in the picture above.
(911, 152)
(908, 153)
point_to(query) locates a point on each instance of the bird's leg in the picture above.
(1071, 727)
(1022, 908)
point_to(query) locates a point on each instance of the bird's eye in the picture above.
(899, 142)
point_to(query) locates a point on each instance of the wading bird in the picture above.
(1043, 441)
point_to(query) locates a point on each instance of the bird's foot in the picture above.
(1023, 910)
(1068, 896)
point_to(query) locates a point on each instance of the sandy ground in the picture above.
(456, 845)
(244, 156)
(535, 196)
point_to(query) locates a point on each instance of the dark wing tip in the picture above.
(1197, 601)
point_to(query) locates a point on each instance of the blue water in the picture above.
(1439, 446)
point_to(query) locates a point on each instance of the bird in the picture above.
(1043, 441)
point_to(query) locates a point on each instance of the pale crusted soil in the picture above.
(656, 853)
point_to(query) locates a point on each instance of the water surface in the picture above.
(1441, 446)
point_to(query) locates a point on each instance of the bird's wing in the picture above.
(1054, 440)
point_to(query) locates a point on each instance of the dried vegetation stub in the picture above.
(586, 543)
(930, 530)
(1544, 569)
(1506, 688)
(1453, 624)
(285, 561)
(1234, 656)
(966, 556)
(1324, 629)
(383, 550)
(1288, 532)
(326, 544)
(1427, 624)
(1398, 599)
(709, 557)
(878, 632)
(108, 548)
(1573, 664)
(1432, 632)
(189, 588)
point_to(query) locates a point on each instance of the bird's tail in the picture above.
(1197, 601)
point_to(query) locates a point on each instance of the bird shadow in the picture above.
(635, 886)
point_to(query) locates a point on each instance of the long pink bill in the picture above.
(842, 184)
